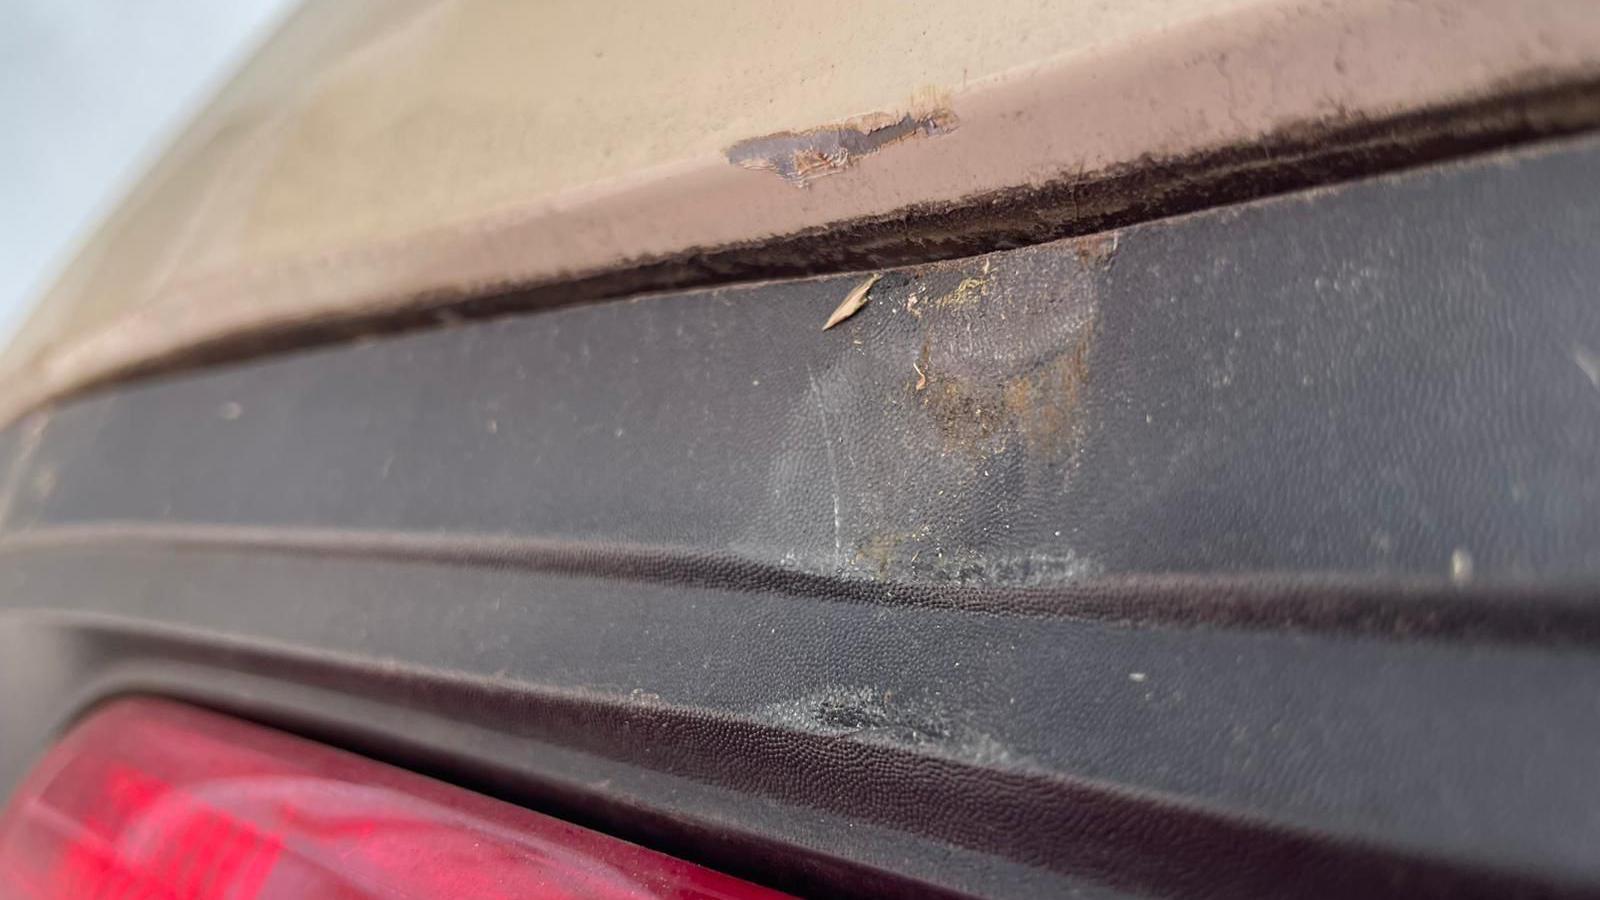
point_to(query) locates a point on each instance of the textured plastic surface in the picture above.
(1251, 553)
(153, 799)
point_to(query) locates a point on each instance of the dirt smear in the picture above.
(1004, 364)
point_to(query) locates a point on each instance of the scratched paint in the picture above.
(799, 157)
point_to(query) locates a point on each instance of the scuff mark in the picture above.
(851, 711)
(889, 718)
(833, 472)
(802, 156)
(927, 557)
(1587, 362)
(31, 435)
(1099, 249)
(44, 482)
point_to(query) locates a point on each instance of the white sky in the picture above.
(90, 92)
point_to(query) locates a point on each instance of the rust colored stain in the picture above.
(802, 156)
(1043, 404)
(1037, 407)
(987, 377)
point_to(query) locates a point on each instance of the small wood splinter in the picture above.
(853, 301)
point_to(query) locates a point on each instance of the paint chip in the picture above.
(800, 156)
(853, 301)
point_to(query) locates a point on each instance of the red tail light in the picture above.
(150, 799)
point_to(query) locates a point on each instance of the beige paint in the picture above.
(379, 152)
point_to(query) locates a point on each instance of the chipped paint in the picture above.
(800, 157)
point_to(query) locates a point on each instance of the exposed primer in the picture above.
(804, 155)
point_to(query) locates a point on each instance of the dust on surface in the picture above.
(936, 450)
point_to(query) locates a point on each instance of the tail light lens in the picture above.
(148, 798)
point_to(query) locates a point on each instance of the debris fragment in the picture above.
(853, 301)
(966, 294)
(922, 378)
